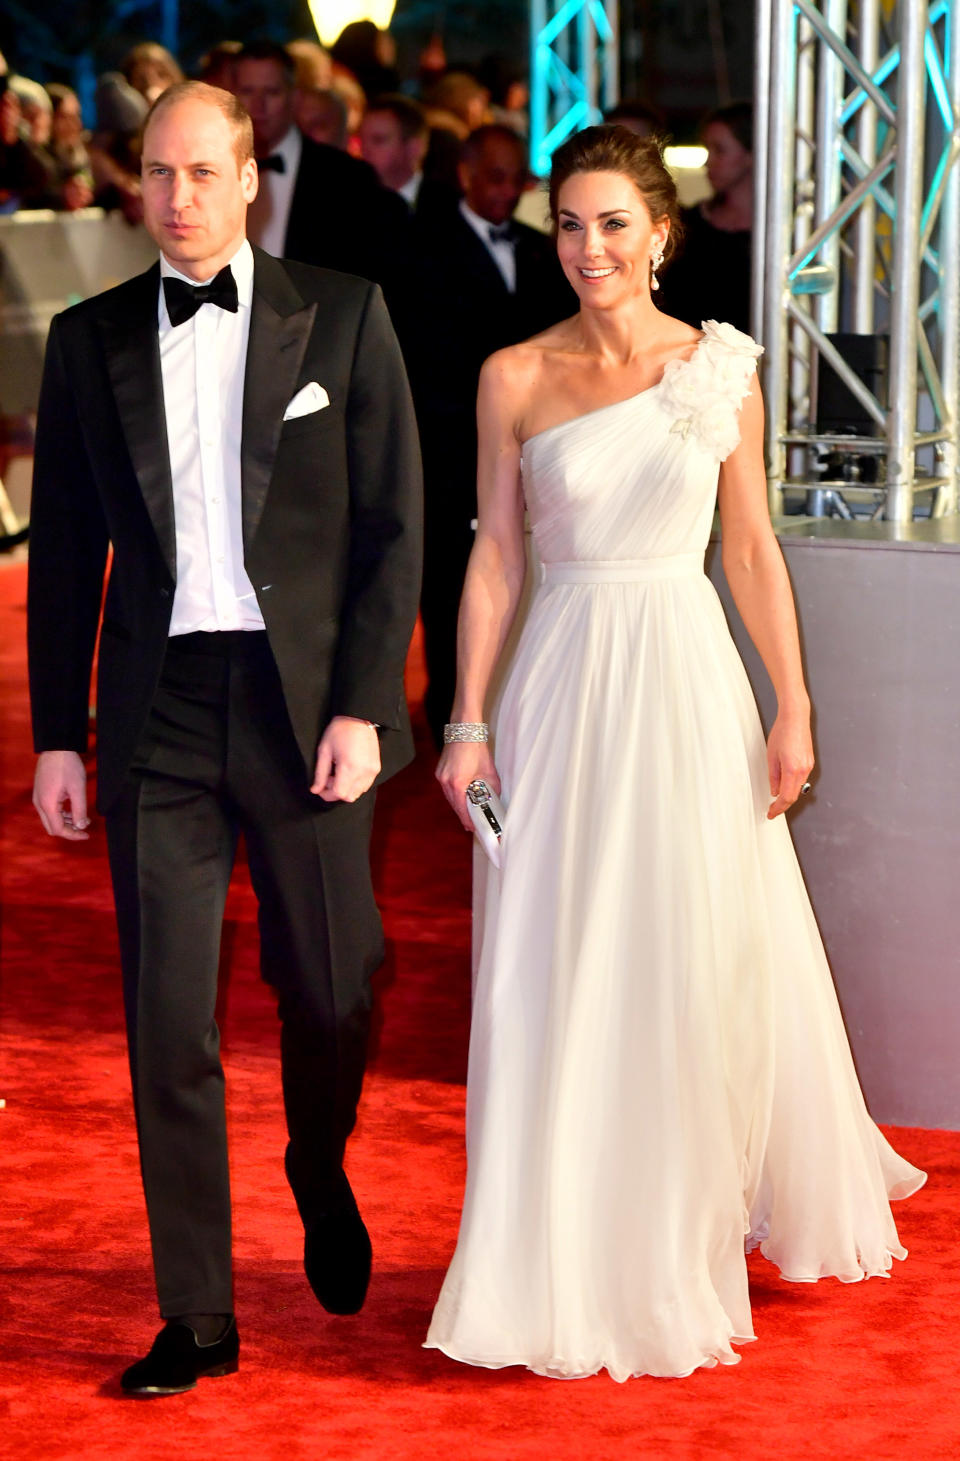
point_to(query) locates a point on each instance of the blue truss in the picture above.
(566, 95)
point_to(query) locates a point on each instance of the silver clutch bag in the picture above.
(487, 815)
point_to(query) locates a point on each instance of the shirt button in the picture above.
(219, 560)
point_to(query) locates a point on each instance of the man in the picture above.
(240, 431)
(478, 281)
(393, 138)
(321, 115)
(316, 203)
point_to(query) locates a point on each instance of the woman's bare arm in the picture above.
(495, 572)
(757, 576)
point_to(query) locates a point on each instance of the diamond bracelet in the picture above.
(465, 730)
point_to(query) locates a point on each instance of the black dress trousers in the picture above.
(218, 758)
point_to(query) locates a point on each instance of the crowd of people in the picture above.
(417, 193)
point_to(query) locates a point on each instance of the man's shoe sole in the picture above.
(146, 1392)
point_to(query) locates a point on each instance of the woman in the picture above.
(150, 68)
(659, 1074)
(68, 149)
(115, 146)
(712, 275)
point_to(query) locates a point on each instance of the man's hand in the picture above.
(60, 795)
(348, 760)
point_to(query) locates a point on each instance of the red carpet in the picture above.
(862, 1371)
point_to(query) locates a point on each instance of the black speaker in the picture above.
(837, 408)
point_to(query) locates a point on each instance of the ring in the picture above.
(805, 788)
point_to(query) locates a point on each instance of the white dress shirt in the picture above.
(502, 250)
(410, 191)
(269, 213)
(202, 364)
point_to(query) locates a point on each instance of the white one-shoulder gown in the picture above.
(659, 1075)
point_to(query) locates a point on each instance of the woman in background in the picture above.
(711, 278)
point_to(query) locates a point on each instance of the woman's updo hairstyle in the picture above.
(616, 149)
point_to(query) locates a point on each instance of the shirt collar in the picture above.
(289, 148)
(480, 226)
(411, 189)
(241, 265)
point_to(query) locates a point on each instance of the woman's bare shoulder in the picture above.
(677, 334)
(517, 369)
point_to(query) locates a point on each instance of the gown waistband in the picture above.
(624, 570)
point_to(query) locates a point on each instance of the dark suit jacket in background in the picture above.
(330, 501)
(435, 202)
(456, 312)
(342, 218)
(710, 280)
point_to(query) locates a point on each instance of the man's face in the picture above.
(267, 94)
(383, 145)
(493, 183)
(319, 118)
(195, 193)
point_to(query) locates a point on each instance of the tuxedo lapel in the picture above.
(280, 325)
(482, 263)
(133, 363)
(529, 263)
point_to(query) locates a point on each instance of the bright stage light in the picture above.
(684, 157)
(330, 16)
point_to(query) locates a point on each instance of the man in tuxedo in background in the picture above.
(393, 138)
(478, 281)
(316, 203)
(240, 430)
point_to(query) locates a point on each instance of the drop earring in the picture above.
(656, 259)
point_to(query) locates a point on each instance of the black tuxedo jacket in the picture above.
(330, 507)
(435, 203)
(342, 218)
(457, 312)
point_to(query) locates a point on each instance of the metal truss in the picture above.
(574, 69)
(858, 230)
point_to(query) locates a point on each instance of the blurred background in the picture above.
(683, 56)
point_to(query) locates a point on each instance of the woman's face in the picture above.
(606, 238)
(67, 122)
(151, 75)
(39, 120)
(727, 162)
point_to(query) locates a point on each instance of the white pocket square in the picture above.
(312, 397)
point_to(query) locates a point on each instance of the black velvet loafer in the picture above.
(176, 1361)
(336, 1259)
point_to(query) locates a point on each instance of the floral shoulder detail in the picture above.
(703, 394)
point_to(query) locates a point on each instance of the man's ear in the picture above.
(249, 180)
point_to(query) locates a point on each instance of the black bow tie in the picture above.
(183, 300)
(501, 232)
(273, 163)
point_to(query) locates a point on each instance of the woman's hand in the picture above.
(461, 763)
(789, 759)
